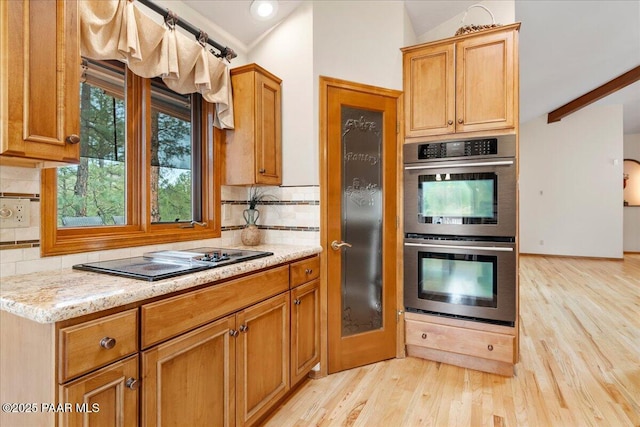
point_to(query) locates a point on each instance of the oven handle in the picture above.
(481, 248)
(460, 165)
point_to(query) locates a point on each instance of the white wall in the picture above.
(351, 40)
(359, 41)
(632, 213)
(502, 10)
(570, 192)
(287, 52)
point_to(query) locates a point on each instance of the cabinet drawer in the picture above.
(487, 345)
(305, 271)
(96, 343)
(173, 316)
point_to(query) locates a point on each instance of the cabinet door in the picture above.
(190, 380)
(262, 357)
(429, 86)
(108, 397)
(305, 329)
(268, 131)
(42, 80)
(485, 82)
(253, 149)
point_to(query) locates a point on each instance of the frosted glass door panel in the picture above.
(361, 220)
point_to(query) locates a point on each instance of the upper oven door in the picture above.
(461, 197)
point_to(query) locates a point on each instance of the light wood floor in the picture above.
(579, 365)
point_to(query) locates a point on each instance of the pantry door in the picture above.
(359, 187)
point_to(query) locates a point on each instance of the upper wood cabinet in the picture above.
(462, 84)
(39, 80)
(253, 150)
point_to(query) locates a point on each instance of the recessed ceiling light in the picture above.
(264, 9)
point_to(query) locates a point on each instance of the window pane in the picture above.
(92, 193)
(171, 156)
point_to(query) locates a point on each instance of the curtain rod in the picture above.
(202, 37)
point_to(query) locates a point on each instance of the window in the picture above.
(148, 171)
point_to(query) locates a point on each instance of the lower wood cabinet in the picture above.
(107, 397)
(305, 329)
(188, 380)
(262, 358)
(227, 373)
(222, 355)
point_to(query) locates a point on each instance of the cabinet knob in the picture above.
(72, 139)
(490, 347)
(234, 333)
(107, 343)
(132, 384)
(262, 170)
(424, 336)
(450, 122)
(244, 328)
(460, 121)
(297, 301)
(308, 271)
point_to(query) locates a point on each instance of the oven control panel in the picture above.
(475, 147)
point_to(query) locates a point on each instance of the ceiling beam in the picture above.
(608, 88)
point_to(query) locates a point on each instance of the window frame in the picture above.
(138, 229)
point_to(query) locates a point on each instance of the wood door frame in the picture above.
(324, 84)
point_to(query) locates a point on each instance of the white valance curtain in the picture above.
(117, 29)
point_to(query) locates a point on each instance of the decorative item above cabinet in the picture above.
(461, 84)
(253, 149)
(39, 79)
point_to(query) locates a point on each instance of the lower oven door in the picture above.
(459, 278)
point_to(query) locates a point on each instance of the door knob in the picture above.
(335, 245)
(72, 139)
(132, 384)
(107, 343)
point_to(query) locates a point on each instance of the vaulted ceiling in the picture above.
(567, 47)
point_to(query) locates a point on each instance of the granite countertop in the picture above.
(62, 295)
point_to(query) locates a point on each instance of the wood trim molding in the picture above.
(606, 89)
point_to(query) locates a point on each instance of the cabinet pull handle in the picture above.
(308, 271)
(244, 328)
(490, 347)
(72, 139)
(460, 121)
(234, 333)
(297, 301)
(450, 122)
(424, 336)
(262, 170)
(132, 384)
(107, 343)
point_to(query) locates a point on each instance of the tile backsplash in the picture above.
(291, 216)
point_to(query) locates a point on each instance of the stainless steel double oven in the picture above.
(460, 225)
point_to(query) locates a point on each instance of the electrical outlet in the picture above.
(14, 213)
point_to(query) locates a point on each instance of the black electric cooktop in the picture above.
(164, 264)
